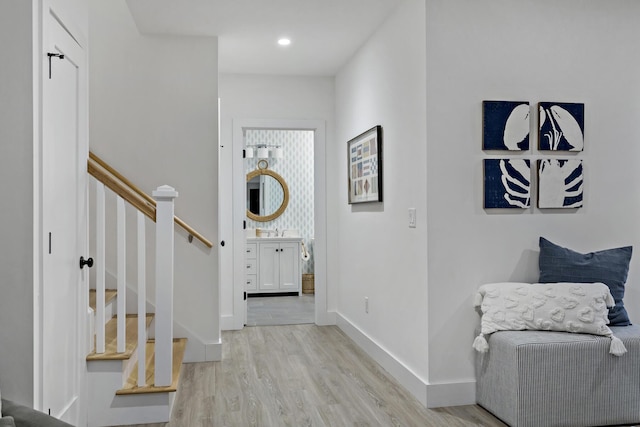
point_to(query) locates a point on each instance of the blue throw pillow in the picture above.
(611, 267)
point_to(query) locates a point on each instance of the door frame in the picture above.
(320, 211)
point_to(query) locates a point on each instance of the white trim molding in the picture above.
(213, 351)
(429, 395)
(408, 379)
(451, 394)
(227, 322)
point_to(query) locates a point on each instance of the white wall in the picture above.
(270, 98)
(18, 281)
(380, 257)
(536, 50)
(153, 115)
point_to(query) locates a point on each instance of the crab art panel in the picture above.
(561, 126)
(507, 183)
(505, 125)
(560, 183)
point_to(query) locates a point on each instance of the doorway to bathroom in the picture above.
(279, 166)
(233, 227)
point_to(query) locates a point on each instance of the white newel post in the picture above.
(164, 196)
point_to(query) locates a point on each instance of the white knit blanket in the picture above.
(566, 307)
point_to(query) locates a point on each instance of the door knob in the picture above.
(88, 262)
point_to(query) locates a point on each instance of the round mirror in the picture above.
(267, 195)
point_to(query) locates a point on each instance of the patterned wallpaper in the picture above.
(296, 167)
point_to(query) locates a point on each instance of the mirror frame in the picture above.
(285, 190)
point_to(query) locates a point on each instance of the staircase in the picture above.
(114, 395)
(134, 364)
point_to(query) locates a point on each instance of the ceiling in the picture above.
(324, 33)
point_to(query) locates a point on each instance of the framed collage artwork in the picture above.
(364, 161)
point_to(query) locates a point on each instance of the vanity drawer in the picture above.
(251, 282)
(252, 266)
(251, 250)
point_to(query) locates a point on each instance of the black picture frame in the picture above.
(364, 167)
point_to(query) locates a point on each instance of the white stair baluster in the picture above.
(100, 269)
(142, 298)
(122, 277)
(164, 196)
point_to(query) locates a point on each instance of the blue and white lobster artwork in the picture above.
(507, 183)
(561, 126)
(505, 125)
(560, 183)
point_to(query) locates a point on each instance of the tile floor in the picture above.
(280, 310)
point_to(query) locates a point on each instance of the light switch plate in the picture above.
(412, 217)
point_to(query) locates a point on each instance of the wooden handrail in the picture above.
(121, 189)
(124, 180)
(120, 185)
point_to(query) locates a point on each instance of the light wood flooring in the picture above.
(280, 310)
(302, 375)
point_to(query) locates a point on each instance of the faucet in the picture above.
(276, 232)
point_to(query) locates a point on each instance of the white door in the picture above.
(64, 224)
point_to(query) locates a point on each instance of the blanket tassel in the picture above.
(477, 299)
(617, 347)
(481, 344)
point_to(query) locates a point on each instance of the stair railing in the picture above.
(161, 211)
(133, 194)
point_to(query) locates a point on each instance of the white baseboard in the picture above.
(213, 352)
(227, 322)
(415, 385)
(327, 318)
(429, 395)
(451, 394)
(200, 351)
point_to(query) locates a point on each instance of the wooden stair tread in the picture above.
(111, 339)
(179, 347)
(109, 294)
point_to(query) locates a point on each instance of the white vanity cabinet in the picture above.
(277, 264)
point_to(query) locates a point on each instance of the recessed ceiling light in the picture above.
(284, 41)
